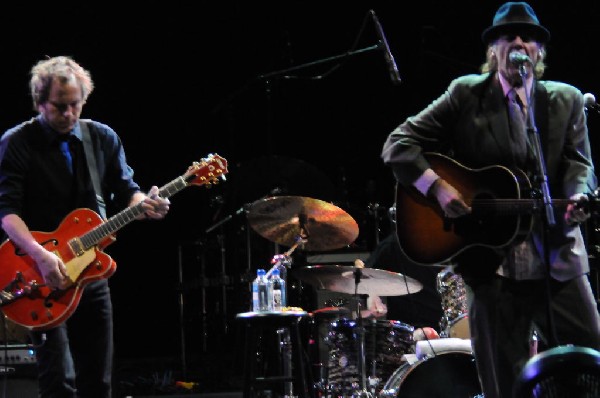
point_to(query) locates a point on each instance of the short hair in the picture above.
(64, 69)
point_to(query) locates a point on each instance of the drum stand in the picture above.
(363, 392)
(283, 262)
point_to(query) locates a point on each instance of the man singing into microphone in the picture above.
(539, 279)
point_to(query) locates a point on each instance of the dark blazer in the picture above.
(469, 122)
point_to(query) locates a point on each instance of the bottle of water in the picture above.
(277, 291)
(260, 296)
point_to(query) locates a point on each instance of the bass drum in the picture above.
(449, 374)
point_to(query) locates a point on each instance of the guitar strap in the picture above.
(93, 168)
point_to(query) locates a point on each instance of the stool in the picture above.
(259, 325)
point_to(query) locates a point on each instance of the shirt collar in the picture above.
(506, 87)
(53, 134)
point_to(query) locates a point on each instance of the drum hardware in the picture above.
(386, 344)
(319, 368)
(533, 344)
(363, 391)
(426, 349)
(360, 282)
(314, 225)
(358, 334)
(454, 321)
(285, 352)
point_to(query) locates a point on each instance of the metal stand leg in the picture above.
(286, 355)
(363, 393)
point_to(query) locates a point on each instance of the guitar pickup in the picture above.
(77, 247)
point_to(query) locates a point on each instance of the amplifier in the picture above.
(17, 354)
(18, 371)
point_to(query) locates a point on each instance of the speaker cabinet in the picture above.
(18, 385)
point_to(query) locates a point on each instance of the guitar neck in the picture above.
(121, 219)
(516, 206)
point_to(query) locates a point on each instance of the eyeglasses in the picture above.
(526, 37)
(63, 107)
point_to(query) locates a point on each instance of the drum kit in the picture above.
(366, 357)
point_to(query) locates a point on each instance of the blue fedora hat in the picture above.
(516, 17)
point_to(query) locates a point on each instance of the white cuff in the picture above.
(425, 181)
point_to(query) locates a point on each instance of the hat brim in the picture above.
(538, 32)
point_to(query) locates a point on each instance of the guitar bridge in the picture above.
(17, 288)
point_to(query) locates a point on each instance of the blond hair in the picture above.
(64, 69)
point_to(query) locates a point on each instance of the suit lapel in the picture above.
(494, 106)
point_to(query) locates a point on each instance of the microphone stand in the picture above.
(541, 179)
(268, 81)
(319, 62)
(282, 72)
(541, 174)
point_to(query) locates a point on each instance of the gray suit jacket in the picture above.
(469, 122)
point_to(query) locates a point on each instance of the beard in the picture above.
(512, 76)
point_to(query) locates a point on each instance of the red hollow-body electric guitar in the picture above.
(78, 241)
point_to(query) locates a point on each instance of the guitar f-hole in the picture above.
(21, 253)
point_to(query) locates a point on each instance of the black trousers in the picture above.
(75, 358)
(503, 313)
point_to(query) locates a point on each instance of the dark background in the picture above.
(179, 81)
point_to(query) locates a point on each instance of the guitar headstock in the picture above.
(208, 171)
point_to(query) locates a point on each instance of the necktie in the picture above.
(64, 148)
(518, 130)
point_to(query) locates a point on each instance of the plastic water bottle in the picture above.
(277, 291)
(260, 296)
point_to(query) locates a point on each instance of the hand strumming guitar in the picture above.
(450, 200)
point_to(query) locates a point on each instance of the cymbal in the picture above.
(341, 279)
(318, 224)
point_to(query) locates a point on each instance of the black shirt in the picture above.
(36, 184)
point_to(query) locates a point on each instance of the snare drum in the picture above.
(385, 344)
(450, 373)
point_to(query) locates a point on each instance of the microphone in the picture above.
(389, 58)
(589, 102)
(516, 58)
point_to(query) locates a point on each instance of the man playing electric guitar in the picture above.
(481, 120)
(44, 176)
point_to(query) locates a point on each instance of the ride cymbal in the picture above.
(288, 220)
(371, 281)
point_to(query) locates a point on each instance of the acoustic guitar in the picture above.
(503, 205)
